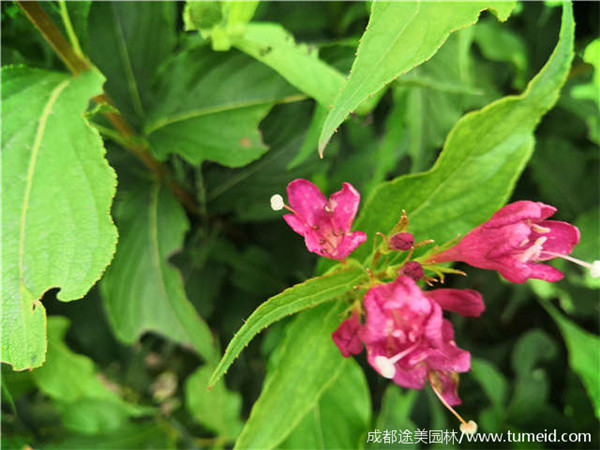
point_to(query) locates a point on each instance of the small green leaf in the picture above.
(308, 364)
(340, 419)
(400, 36)
(492, 381)
(200, 93)
(584, 354)
(305, 295)
(142, 291)
(483, 157)
(532, 348)
(86, 403)
(217, 409)
(299, 64)
(56, 193)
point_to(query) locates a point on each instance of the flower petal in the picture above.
(344, 204)
(518, 212)
(346, 337)
(465, 302)
(349, 244)
(544, 272)
(307, 201)
(561, 238)
(449, 387)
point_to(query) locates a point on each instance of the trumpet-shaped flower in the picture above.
(513, 240)
(325, 224)
(409, 341)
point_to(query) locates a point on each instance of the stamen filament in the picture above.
(593, 267)
(445, 403)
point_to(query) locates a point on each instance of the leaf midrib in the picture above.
(37, 142)
(195, 113)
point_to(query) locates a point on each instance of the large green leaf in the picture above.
(483, 157)
(308, 364)
(86, 403)
(209, 105)
(272, 45)
(56, 194)
(400, 36)
(141, 289)
(217, 409)
(584, 354)
(340, 419)
(128, 42)
(305, 295)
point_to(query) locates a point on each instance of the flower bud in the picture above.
(413, 269)
(402, 241)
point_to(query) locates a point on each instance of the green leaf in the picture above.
(305, 295)
(584, 354)
(56, 193)
(400, 36)
(483, 157)
(217, 409)
(532, 385)
(438, 93)
(309, 363)
(396, 407)
(340, 419)
(142, 291)
(86, 403)
(492, 381)
(311, 140)
(129, 436)
(200, 93)
(299, 64)
(498, 43)
(532, 348)
(128, 42)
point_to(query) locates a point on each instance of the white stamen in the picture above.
(533, 252)
(595, 269)
(469, 428)
(277, 202)
(385, 366)
(539, 229)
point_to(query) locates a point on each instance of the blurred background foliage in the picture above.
(105, 389)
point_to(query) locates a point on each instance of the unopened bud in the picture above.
(402, 241)
(413, 269)
(277, 202)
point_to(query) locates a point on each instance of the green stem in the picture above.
(64, 14)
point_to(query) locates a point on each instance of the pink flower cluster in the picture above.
(406, 337)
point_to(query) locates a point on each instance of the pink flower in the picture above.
(325, 224)
(513, 240)
(409, 341)
(346, 337)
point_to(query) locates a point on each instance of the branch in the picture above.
(77, 64)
